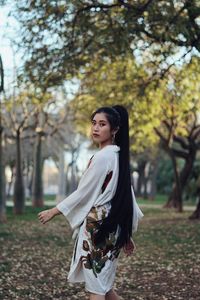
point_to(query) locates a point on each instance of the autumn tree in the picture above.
(164, 113)
(62, 37)
(121, 81)
(17, 121)
(180, 128)
(2, 171)
(54, 125)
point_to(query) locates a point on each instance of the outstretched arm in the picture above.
(46, 215)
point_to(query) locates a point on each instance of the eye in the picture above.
(102, 124)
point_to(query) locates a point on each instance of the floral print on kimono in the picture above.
(96, 255)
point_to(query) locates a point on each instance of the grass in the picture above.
(161, 200)
(47, 197)
(35, 259)
(30, 213)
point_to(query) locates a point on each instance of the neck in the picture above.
(102, 145)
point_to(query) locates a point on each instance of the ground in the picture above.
(35, 258)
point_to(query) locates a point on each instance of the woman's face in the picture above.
(101, 131)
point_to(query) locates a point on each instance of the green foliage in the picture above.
(170, 106)
(61, 37)
(120, 81)
(179, 94)
(165, 176)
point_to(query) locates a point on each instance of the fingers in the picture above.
(41, 219)
(134, 246)
(128, 251)
(42, 216)
(129, 248)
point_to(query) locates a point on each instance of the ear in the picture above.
(114, 131)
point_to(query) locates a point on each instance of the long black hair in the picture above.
(121, 213)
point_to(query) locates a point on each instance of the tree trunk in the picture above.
(30, 184)
(141, 178)
(67, 185)
(19, 196)
(145, 188)
(196, 213)
(3, 217)
(61, 177)
(153, 177)
(73, 177)
(28, 174)
(37, 185)
(175, 198)
(2, 172)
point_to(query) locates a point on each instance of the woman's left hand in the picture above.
(129, 248)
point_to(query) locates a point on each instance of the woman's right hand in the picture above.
(46, 215)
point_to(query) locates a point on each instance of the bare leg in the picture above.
(112, 295)
(96, 297)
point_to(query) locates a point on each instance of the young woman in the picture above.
(102, 212)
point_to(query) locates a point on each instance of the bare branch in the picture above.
(179, 153)
(196, 134)
(163, 139)
(181, 141)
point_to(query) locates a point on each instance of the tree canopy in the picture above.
(60, 37)
(153, 108)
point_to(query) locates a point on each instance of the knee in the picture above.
(96, 297)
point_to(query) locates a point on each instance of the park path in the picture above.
(160, 206)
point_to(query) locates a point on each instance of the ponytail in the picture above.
(121, 213)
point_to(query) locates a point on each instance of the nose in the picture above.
(96, 128)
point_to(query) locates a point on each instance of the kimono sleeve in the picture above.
(78, 204)
(137, 213)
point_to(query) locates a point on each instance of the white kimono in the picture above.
(84, 209)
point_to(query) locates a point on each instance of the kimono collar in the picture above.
(114, 148)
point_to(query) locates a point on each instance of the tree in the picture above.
(193, 189)
(63, 37)
(37, 187)
(49, 124)
(2, 175)
(120, 81)
(165, 113)
(17, 120)
(20, 122)
(165, 176)
(180, 129)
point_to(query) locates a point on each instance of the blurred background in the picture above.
(60, 60)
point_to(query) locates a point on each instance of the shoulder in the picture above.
(107, 154)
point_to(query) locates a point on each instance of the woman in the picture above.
(102, 212)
